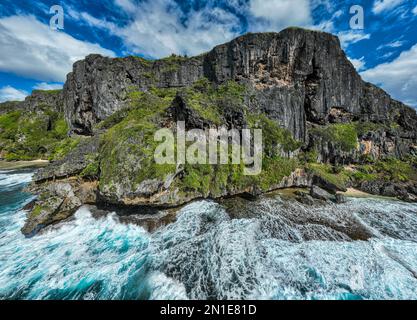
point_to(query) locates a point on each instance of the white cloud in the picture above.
(29, 48)
(9, 93)
(387, 55)
(415, 11)
(359, 64)
(329, 24)
(273, 15)
(47, 86)
(352, 36)
(397, 77)
(160, 27)
(127, 5)
(394, 44)
(385, 5)
(158, 30)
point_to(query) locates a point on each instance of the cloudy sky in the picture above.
(32, 56)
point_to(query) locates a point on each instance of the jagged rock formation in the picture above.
(297, 85)
(297, 76)
(34, 102)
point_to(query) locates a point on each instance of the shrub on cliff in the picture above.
(32, 135)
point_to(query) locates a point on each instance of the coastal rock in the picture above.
(180, 111)
(253, 194)
(291, 73)
(340, 198)
(321, 194)
(74, 163)
(99, 86)
(327, 185)
(57, 202)
(403, 191)
(296, 85)
(305, 198)
(297, 179)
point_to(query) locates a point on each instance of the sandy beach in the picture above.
(7, 165)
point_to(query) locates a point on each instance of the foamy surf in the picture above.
(365, 249)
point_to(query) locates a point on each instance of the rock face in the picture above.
(58, 201)
(99, 86)
(38, 99)
(297, 76)
(298, 86)
(73, 164)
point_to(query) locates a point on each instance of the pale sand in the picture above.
(351, 192)
(8, 165)
(354, 193)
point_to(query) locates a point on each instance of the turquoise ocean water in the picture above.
(280, 250)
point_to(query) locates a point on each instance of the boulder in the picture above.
(340, 198)
(305, 198)
(327, 185)
(57, 201)
(321, 194)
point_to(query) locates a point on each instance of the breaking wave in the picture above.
(269, 249)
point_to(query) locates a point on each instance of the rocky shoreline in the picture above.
(59, 200)
(324, 128)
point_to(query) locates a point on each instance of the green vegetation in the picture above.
(33, 135)
(150, 76)
(389, 170)
(128, 146)
(37, 210)
(412, 160)
(274, 170)
(218, 180)
(114, 119)
(363, 128)
(198, 178)
(342, 135)
(393, 170)
(64, 147)
(203, 104)
(208, 100)
(51, 92)
(174, 59)
(92, 171)
(172, 63)
(335, 175)
(275, 138)
(144, 62)
(310, 156)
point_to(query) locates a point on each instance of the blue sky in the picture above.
(32, 56)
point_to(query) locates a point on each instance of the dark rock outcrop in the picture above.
(57, 201)
(296, 76)
(38, 100)
(340, 198)
(99, 86)
(73, 164)
(321, 194)
(406, 191)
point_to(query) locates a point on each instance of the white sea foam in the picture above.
(10, 178)
(280, 250)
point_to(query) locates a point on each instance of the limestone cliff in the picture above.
(297, 76)
(316, 112)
